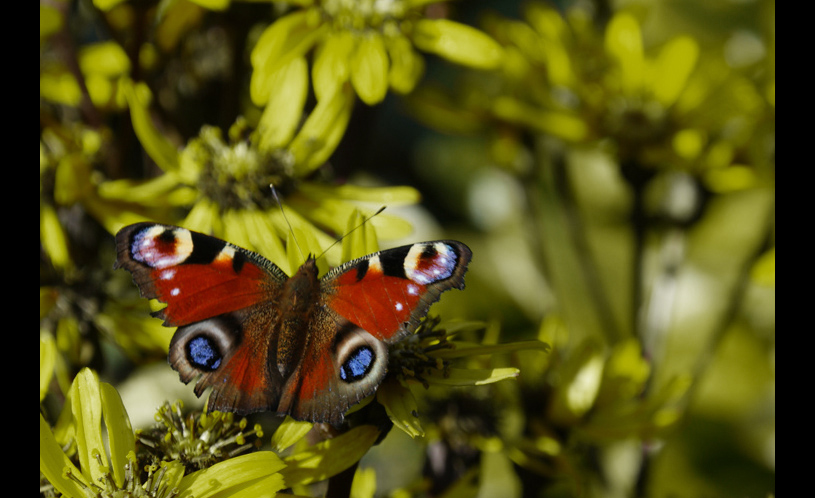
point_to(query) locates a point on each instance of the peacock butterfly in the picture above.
(304, 346)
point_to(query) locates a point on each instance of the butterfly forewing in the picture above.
(197, 276)
(389, 292)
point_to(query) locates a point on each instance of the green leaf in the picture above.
(473, 376)
(474, 349)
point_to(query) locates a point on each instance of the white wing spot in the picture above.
(227, 254)
(176, 291)
(374, 265)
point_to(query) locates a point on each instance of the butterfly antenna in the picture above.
(283, 212)
(364, 220)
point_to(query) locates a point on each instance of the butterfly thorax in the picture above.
(301, 292)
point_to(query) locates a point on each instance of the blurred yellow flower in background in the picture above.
(372, 44)
(226, 187)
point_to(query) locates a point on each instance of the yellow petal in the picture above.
(72, 180)
(763, 271)
(580, 382)
(289, 432)
(330, 457)
(360, 239)
(53, 462)
(730, 179)
(106, 58)
(288, 88)
(155, 144)
(86, 407)
(564, 125)
(212, 4)
(106, 5)
(287, 38)
(624, 43)
(48, 358)
(407, 66)
(173, 473)
(547, 21)
(498, 476)
(391, 196)
(457, 43)
(673, 67)
(400, 404)
(273, 39)
(60, 86)
(243, 475)
(689, 143)
(369, 69)
(331, 65)
(322, 131)
(120, 433)
(51, 21)
(53, 238)
(265, 237)
(364, 484)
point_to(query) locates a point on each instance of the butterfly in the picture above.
(303, 346)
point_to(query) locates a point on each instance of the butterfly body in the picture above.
(302, 345)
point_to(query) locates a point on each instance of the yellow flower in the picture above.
(111, 469)
(225, 186)
(671, 107)
(371, 44)
(104, 67)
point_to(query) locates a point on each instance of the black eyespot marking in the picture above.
(203, 353)
(429, 252)
(167, 236)
(358, 364)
